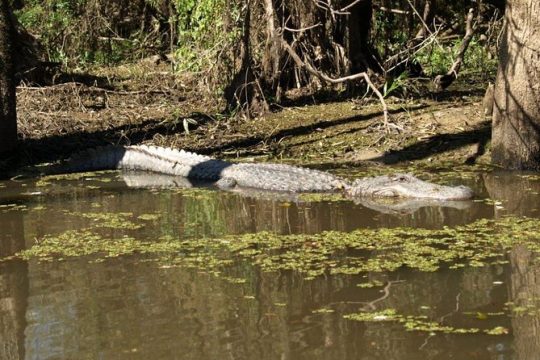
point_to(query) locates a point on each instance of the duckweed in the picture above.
(419, 323)
(80, 243)
(12, 207)
(481, 243)
(370, 284)
(109, 220)
(320, 197)
(526, 307)
(149, 217)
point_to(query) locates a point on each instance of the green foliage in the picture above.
(203, 34)
(50, 20)
(196, 18)
(477, 60)
(394, 84)
(79, 32)
(437, 58)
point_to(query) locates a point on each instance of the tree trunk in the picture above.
(361, 52)
(8, 115)
(244, 94)
(516, 113)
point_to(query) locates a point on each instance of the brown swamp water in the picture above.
(129, 307)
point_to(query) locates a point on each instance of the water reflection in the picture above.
(13, 288)
(125, 309)
(133, 308)
(519, 194)
(204, 212)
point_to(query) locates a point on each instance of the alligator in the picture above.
(262, 176)
(393, 206)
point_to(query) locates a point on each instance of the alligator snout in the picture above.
(407, 186)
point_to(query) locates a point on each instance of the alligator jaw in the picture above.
(406, 186)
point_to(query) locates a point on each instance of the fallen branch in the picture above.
(443, 81)
(322, 76)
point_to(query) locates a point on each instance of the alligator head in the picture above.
(406, 186)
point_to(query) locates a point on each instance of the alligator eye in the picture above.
(401, 178)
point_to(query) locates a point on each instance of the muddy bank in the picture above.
(151, 105)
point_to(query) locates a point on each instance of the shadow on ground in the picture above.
(434, 145)
(52, 148)
(441, 143)
(298, 131)
(56, 147)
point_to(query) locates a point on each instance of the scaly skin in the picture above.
(406, 186)
(273, 177)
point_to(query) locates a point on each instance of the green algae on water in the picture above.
(321, 197)
(74, 243)
(12, 207)
(419, 323)
(149, 217)
(481, 243)
(370, 284)
(109, 220)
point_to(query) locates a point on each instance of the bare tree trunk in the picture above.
(244, 92)
(360, 50)
(8, 115)
(516, 113)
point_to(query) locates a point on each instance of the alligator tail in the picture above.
(140, 157)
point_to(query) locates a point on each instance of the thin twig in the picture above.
(345, 8)
(419, 16)
(322, 76)
(390, 10)
(302, 29)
